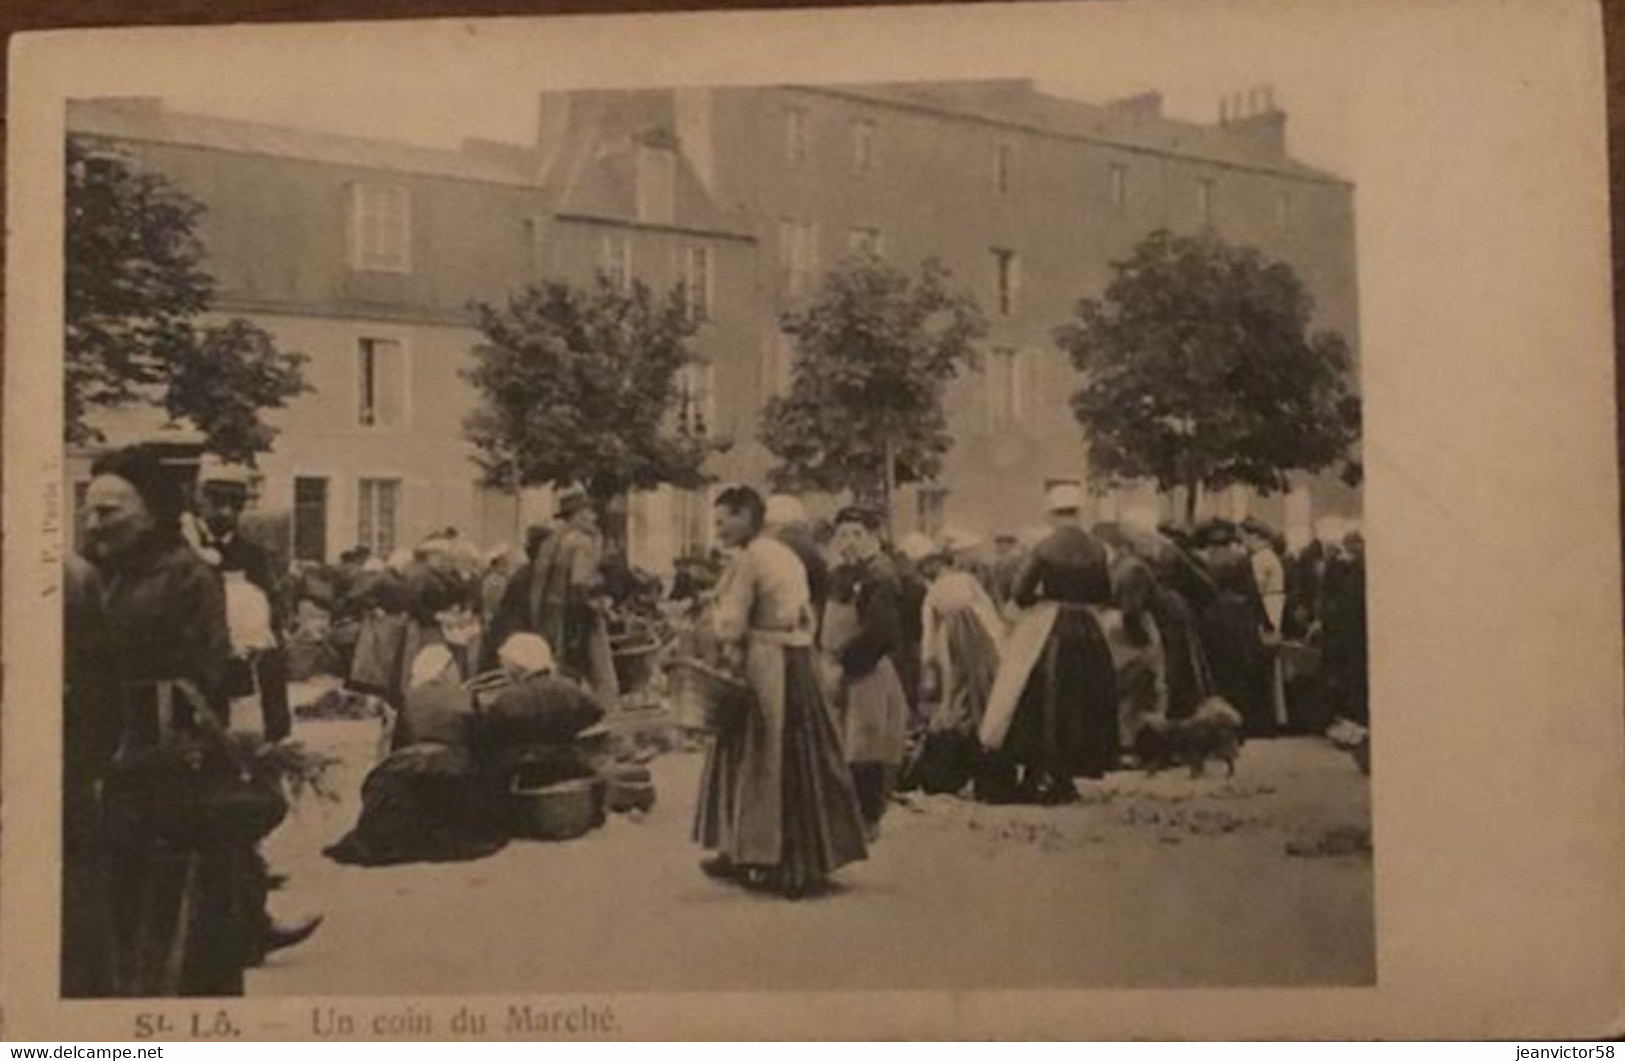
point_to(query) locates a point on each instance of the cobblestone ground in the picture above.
(1264, 879)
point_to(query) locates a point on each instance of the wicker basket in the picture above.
(705, 698)
(622, 796)
(561, 811)
(634, 661)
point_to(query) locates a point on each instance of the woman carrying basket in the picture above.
(777, 802)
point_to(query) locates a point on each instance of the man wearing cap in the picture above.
(565, 602)
(863, 630)
(259, 663)
(1053, 708)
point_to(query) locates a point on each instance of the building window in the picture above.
(1117, 185)
(695, 411)
(1003, 165)
(657, 185)
(381, 383)
(1006, 280)
(863, 145)
(1283, 209)
(795, 135)
(697, 282)
(1004, 386)
(616, 261)
(380, 228)
(378, 505)
(862, 242)
(1204, 200)
(798, 256)
(310, 519)
(778, 364)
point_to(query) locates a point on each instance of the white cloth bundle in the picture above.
(248, 615)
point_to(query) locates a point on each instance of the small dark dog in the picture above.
(1213, 732)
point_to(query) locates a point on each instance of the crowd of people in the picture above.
(1005, 671)
(1002, 671)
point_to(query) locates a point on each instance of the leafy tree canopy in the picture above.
(875, 350)
(135, 292)
(1200, 369)
(588, 385)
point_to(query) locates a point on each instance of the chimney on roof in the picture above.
(1140, 105)
(1252, 118)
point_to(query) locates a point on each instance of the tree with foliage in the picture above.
(585, 385)
(1201, 372)
(875, 350)
(135, 292)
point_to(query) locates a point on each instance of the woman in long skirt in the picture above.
(1053, 708)
(1232, 631)
(960, 649)
(777, 803)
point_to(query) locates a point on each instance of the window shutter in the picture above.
(391, 385)
(400, 229)
(356, 210)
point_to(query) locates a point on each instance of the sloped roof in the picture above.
(597, 178)
(1017, 104)
(146, 120)
(593, 176)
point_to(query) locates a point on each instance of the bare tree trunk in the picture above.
(888, 485)
(518, 503)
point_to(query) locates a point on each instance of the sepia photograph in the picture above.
(710, 529)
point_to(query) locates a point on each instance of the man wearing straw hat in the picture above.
(258, 669)
(259, 663)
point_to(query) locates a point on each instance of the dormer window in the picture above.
(380, 228)
(657, 184)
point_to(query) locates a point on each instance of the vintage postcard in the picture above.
(1019, 520)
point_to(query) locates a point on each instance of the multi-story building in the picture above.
(367, 256)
